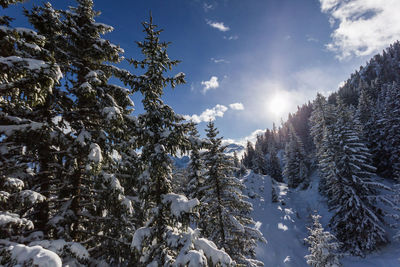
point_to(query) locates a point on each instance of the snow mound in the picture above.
(33, 256)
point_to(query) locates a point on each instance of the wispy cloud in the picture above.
(208, 114)
(236, 106)
(311, 39)
(221, 60)
(218, 25)
(207, 7)
(363, 27)
(210, 84)
(232, 37)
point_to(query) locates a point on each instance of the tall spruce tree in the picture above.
(28, 79)
(322, 120)
(91, 198)
(351, 192)
(164, 237)
(226, 217)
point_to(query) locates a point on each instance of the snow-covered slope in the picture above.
(284, 223)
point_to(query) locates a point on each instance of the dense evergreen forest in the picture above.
(85, 181)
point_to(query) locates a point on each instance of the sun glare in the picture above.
(278, 105)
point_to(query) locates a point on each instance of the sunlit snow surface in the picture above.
(284, 223)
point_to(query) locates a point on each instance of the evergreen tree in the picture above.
(226, 217)
(322, 120)
(323, 246)
(164, 237)
(28, 83)
(296, 170)
(196, 166)
(249, 156)
(91, 197)
(350, 189)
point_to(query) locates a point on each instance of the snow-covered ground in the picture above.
(284, 223)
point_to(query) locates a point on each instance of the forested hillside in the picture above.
(350, 137)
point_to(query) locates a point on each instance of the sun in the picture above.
(278, 104)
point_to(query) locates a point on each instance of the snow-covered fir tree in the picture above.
(164, 237)
(324, 249)
(322, 119)
(28, 79)
(91, 198)
(196, 166)
(296, 170)
(350, 188)
(225, 218)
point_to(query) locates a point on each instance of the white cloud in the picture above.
(232, 37)
(243, 141)
(218, 25)
(221, 60)
(208, 114)
(363, 27)
(328, 4)
(236, 106)
(207, 7)
(210, 84)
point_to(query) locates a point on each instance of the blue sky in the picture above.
(249, 63)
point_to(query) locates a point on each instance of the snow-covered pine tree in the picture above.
(29, 75)
(296, 170)
(322, 120)
(364, 109)
(226, 217)
(350, 188)
(323, 246)
(28, 79)
(164, 237)
(92, 206)
(196, 166)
